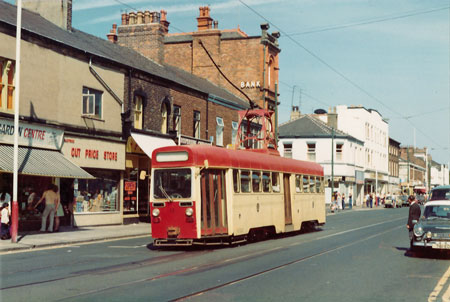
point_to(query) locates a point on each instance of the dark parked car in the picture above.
(432, 231)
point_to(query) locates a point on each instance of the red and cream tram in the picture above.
(202, 194)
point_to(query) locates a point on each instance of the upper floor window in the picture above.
(92, 102)
(339, 148)
(138, 112)
(311, 151)
(287, 149)
(177, 119)
(164, 118)
(234, 130)
(6, 85)
(219, 131)
(196, 125)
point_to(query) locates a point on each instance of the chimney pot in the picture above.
(147, 18)
(124, 19)
(140, 17)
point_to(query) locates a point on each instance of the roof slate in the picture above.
(101, 48)
(309, 127)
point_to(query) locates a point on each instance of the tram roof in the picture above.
(242, 159)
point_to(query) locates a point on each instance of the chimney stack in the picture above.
(204, 21)
(58, 12)
(295, 113)
(112, 36)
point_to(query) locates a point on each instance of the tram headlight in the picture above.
(189, 212)
(418, 230)
(155, 212)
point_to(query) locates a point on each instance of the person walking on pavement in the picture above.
(5, 234)
(343, 201)
(52, 201)
(350, 201)
(414, 214)
(339, 201)
(371, 200)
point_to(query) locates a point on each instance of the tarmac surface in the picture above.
(68, 235)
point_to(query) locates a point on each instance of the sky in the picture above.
(388, 55)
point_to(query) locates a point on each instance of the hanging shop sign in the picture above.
(91, 153)
(31, 135)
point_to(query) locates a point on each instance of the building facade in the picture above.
(394, 179)
(412, 171)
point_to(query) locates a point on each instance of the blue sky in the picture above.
(389, 55)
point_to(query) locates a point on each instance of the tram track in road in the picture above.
(233, 260)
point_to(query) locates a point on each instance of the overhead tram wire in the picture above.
(373, 20)
(347, 79)
(304, 93)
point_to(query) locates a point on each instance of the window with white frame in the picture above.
(6, 84)
(196, 125)
(339, 148)
(92, 102)
(234, 131)
(287, 149)
(311, 151)
(219, 131)
(138, 112)
(177, 119)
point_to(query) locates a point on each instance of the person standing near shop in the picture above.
(350, 201)
(5, 234)
(343, 201)
(414, 214)
(52, 200)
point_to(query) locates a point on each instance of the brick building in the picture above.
(412, 170)
(248, 64)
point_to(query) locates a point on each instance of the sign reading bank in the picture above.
(31, 135)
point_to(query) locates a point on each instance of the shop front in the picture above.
(137, 175)
(40, 163)
(97, 201)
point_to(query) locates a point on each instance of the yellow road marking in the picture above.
(435, 293)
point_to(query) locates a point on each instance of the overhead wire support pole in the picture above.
(15, 203)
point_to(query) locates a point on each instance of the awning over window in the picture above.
(149, 143)
(40, 162)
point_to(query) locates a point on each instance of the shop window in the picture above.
(311, 151)
(275, 182)
(97, 195)
(177, 119)
(287, 149)
(196, 124)
(236, 180)
(256, 181)
(266, 181)
(7, 72)
(234, 131)
(219, 131)
(92, 102)
(245, 181)
(138, 112)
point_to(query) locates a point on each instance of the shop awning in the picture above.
(40, 162)
(149, 143)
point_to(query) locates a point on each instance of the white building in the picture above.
(308, 138)
(439, 174)
(368, 126)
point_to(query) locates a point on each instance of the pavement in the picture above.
(69, 235)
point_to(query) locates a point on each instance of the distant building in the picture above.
(308, 138)
(394, 155)
(412, 171)
(439, 174)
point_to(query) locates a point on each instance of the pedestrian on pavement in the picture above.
(350, 201)
(371, 200)
(414, 214)
(343, 201)
(339, 201)
(52, 200)
(367, 200)
(5, 234)
(58, 214)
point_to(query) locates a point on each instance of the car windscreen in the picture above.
(440, 194)
(437, 211)
(172, 183)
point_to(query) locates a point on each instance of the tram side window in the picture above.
(266, 181)
(245, 181)
(312, 184)
(305, 184)
(256, 181)
(318, 185)
(298, 183)
(275, 182)
(236, 180)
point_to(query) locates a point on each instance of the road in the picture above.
(356, 256)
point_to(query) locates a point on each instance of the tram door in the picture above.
(214, 206)
(287, 199)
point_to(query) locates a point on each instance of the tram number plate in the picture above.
(441, 245)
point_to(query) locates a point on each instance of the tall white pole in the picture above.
(15, 203)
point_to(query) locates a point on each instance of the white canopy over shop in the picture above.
(40, 162)
(149, 143)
